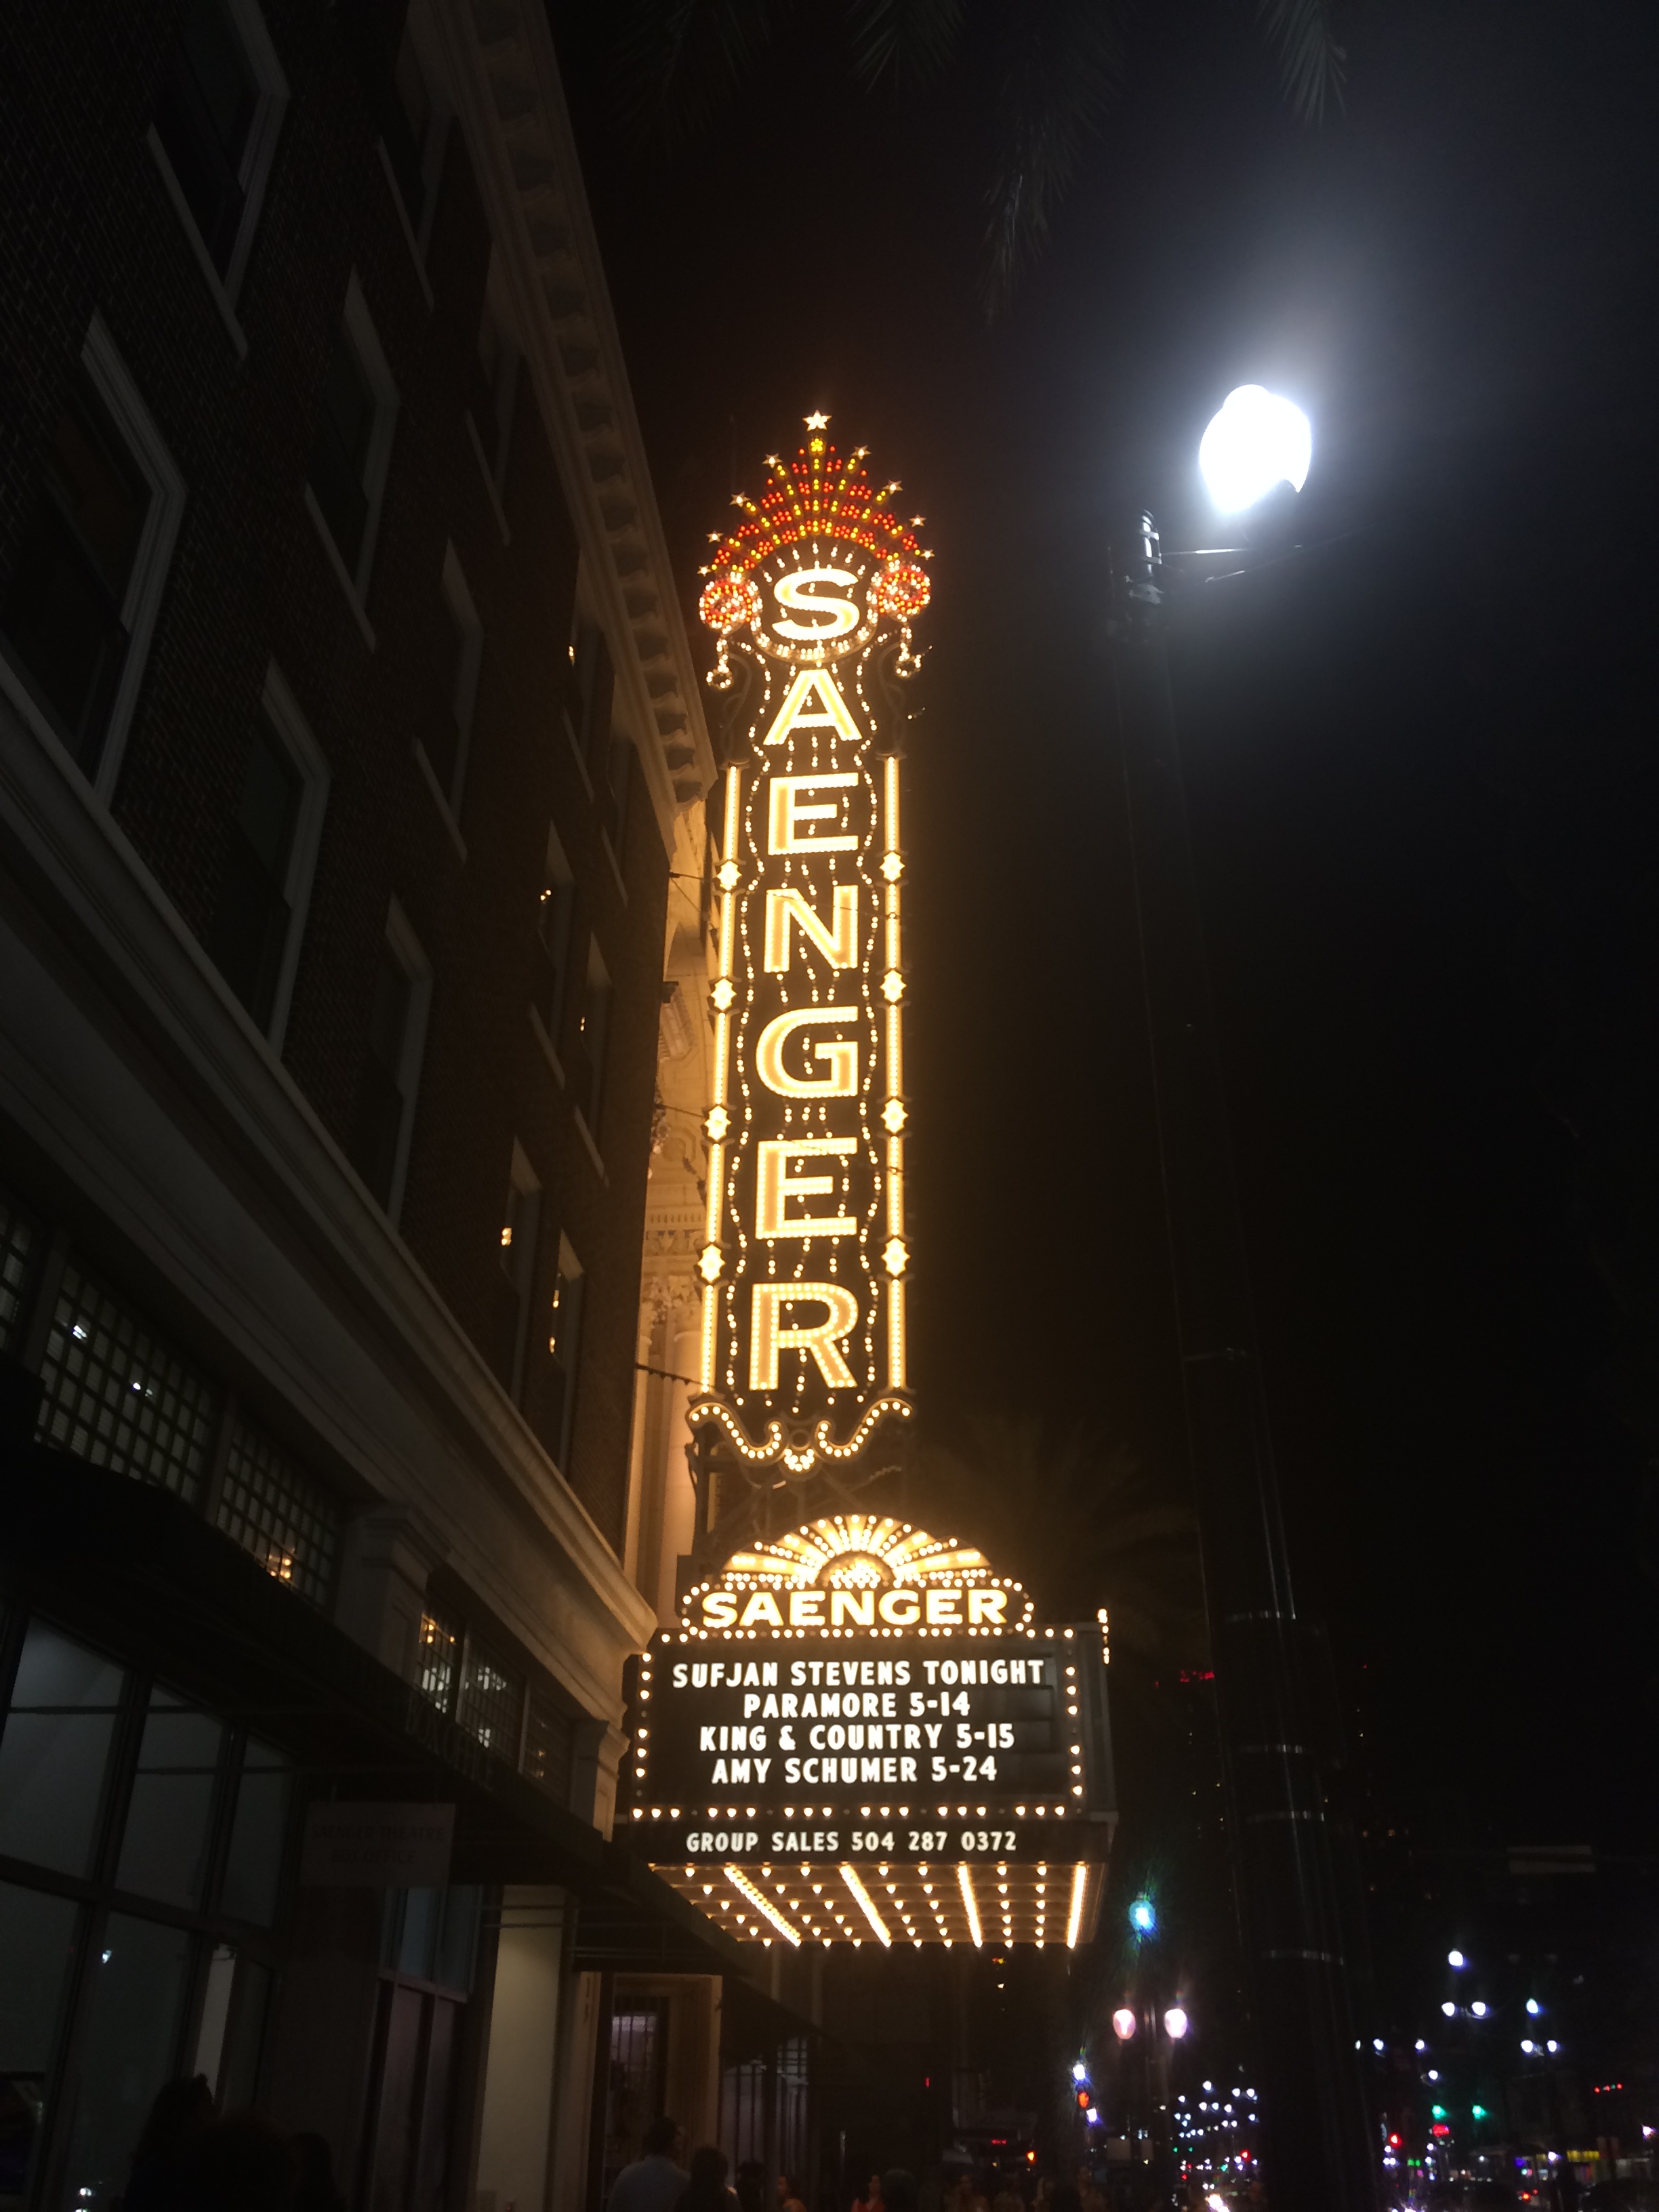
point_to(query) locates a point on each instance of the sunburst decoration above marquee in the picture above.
(857, 1552)
(820, 497)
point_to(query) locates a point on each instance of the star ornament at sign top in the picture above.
(817, 421)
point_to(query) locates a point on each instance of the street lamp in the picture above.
(1143, 1917)
(1257, 442)
(1123, 2023)
(1176, 2022)
(1318, 2147)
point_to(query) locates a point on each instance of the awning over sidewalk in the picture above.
(125, 1564)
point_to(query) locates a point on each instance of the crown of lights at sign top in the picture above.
(805, 1253)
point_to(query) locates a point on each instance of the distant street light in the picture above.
(1257, 442)
(1456, 1958)
(1479, 2008)
(1176, 2022)
(1143, 1917)
(1534, 2006)
(1448, 2007)
(1079, 2072)
(1123, 2023)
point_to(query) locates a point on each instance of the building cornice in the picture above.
(504, 79)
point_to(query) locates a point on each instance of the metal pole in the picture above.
(1317, 2150)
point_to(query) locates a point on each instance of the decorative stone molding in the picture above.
(505, 79)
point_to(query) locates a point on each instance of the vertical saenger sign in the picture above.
(806, 1252)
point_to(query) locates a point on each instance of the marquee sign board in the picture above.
(858, 1732)
(861, 1695)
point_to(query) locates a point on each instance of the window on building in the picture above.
(250, 931)
(271, 851)
(352, 444)
(115, 1394)
(497, 393)
(440, 1658)
(555, 919)
(589, 696)
(564, 1337)
(215, 129)
(428, 1952)
(491, 1706)
(76, 615)
(588, 1049)
(611, 788)
(520, 1222)
(16, 1250)
(411, 132)
(146, 1842)
(451, 732)
(384, 1119)
(279, 1514)
(549, 1746)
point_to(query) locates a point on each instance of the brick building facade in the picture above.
(347, 734)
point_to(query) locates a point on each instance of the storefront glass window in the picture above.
(37, 1943)
(135, 2004)
(55, 1751)
(164, 1849)
(253, 1870)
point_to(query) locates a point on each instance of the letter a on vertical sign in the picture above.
(805, 1251)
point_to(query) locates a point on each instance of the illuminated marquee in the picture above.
(860, 1731)
(804, 1252)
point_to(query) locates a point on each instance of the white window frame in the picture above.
(281, 711)
(150, 563)
(249, 24)
(365, 342)
(406, 951)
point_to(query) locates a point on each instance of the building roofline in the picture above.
(510, 103)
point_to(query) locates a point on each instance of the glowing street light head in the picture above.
(1176, 2022)
(1456, 1958)
(1123, 2023)
(1080, 2072)
(1256, 441)
(1143, 1917)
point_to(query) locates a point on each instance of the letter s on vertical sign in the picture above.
(791, 591)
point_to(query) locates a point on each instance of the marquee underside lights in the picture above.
(804, 1259)
(828, 1903)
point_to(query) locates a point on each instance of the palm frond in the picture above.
(1079, 1521)
(912, 38)
(677, 62)
(1062, 67)
(1311, 65)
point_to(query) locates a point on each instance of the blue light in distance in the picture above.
(1143, 1917)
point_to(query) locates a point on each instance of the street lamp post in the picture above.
(1318, 2147)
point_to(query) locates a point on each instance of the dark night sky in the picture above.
(1456, 279)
